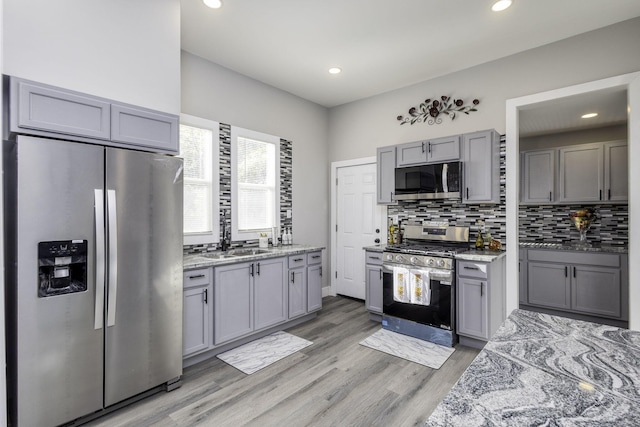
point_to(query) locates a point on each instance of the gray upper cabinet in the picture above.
(145, 128)
(616, 171)
(386, 175)
(443, 149)
(44, 110)
(428, 151)
(481, 167)
(411, 153)
(538, 169)
(581, 174)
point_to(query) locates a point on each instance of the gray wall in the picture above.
(216, 93)
(119, 49)
(356, 129)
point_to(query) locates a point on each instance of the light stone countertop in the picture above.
(375, 248)
(570, 247)
(480, 255)
(548, 370)
(233, 256)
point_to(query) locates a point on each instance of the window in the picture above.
(255, 183)
(199, 146)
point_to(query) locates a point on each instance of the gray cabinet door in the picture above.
(481, 167)
(548, 285)
(233, 302)
(196, 320)
(386, 174)
(314, 288)
(596, 290)
(270, 289)
(297, 292)
(373, 299)
(581, 173)
(146, 128)
(411, 153)
(50, 109)
(522, 276)
(616, 171)
(472, 308)
(538, 176)
(443, 149)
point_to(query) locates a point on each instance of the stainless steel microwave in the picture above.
(433, 181)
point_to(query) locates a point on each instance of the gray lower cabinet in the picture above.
(386, 175)
(297, 285)
(582, 282)
(233, 301)
(480, 298)
(373, 277)
(314, 281)
(481, 167)
(270, 296)
(197, 322)
(41, 109)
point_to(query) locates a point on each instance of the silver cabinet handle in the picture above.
(113, 257)
(98, 196)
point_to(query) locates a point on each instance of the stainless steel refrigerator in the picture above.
(94, 276)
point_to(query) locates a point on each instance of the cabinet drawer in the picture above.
(314, 258)
(575, 257)
(198, 277)
(473, 269)
(373, 258)
(299, 260)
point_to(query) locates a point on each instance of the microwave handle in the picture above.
(445, 175)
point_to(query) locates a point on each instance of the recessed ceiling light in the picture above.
(213, 4)
(335, 70)
(501, 5)
(589, 115)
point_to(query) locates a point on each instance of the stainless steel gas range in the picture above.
(419, 282)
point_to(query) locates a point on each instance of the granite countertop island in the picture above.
(543, 370)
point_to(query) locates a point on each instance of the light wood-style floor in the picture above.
(334, 382)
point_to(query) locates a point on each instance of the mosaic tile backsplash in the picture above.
(286, 161)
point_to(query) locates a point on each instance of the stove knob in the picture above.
(399, 258)
(431, 262)
(413, 260)
(441, 263)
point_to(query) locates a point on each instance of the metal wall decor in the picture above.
(432, 111)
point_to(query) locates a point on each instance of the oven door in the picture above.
(440, 311)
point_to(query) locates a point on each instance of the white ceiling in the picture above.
(381, 45)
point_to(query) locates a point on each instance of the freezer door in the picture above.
(58, 364)
(143, 344)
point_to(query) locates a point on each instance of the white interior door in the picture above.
(359, 224)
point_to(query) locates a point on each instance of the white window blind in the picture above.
(198, 148)
(255, 183)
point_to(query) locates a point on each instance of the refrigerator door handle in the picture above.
(99, 212)
(113, 257)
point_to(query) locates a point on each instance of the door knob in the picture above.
(377, 240)
(378, 230)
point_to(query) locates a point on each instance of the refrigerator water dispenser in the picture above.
(62, 267)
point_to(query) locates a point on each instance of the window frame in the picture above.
(238, 132)
(214, 235)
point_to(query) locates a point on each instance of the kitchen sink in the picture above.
(235, 253)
